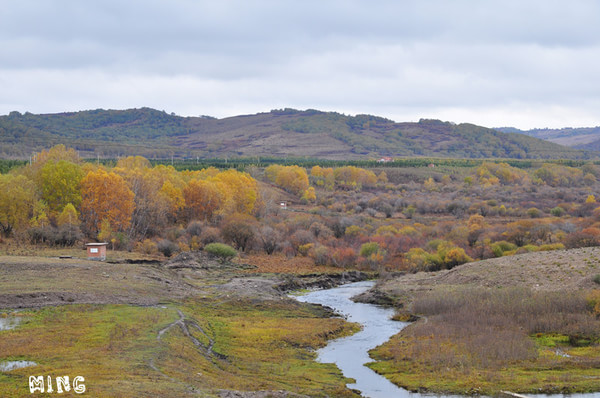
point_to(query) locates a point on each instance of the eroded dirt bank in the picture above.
(32, 282)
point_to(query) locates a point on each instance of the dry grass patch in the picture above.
(494, 339)
(278, 263)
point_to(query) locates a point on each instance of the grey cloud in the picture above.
(402, 57)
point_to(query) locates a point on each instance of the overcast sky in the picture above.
(494, 63)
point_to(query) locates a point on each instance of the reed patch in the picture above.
(476, 340)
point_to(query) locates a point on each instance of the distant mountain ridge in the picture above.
(585, 138)
(278, 133)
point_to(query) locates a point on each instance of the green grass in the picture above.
(264, 347)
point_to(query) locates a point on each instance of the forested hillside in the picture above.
(586, 138)
(280, 133)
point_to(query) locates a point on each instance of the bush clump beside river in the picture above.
(476, 340)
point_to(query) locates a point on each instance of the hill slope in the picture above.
(567, 270)
(279, 133)
(586, 138)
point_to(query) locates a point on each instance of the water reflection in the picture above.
(9, 323)
(7, 366)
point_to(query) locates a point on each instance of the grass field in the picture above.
(148, 330)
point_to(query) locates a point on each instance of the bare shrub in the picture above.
(210, 235)
(167, 248)
(492, 326)
(238, 229)
(321, 255)
(269, 239)
(194, 228)
(301, 237)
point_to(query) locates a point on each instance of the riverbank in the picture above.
(524, 323)
(351, 353)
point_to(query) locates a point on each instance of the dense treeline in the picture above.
(7, 165)
(412, 218)
(243, 163)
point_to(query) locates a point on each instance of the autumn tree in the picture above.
(52, 155)
(519, 232)
(133, 163)
(171, 189)
(106, 196)
(476, 225)
(556, 175)
(202, 199)
(68, 226)
(239, 191)
(39, 216)
(293, 179)
(152, 204)
(490, 173)
(351, 177)
(68, 216)
(17, 196)
(309, 195)
(60, 184)
(323, 177)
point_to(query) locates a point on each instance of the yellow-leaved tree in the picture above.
(17, 197)
(239, 190)
(59, 183)
(105, 196)
(293, 179)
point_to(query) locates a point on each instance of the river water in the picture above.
(351, 353)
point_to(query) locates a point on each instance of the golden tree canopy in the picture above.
(106, 196)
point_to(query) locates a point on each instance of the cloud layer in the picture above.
(494, 63)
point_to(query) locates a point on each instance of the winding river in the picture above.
(351, 353)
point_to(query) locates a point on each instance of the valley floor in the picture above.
(194, 325)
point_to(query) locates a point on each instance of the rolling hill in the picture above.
(585, 138)
(279, 133)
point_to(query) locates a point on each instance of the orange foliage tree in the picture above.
(106, 196)
(202, 199)
(210, 192)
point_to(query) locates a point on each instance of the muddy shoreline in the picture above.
(55, 282)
